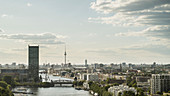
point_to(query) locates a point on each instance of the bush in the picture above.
(45, 84)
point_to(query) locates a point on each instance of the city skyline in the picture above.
(101, 31)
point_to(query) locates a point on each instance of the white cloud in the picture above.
(4, 15)
(29, 4)
(130, 34)
(155, 15)
(1, 30)
(44, 38)
(92, 34)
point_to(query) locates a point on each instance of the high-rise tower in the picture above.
(33, 61)
(160, 83)
(86, 63)
(65, 54)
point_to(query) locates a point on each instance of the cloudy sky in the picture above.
(103, 31)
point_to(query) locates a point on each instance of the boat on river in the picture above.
(56, 74)
(21, 90)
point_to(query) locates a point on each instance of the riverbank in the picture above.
(34, 84)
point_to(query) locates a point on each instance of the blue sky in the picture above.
(102, 31)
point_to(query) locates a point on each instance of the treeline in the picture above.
(78, 83)
(35, 84)
(13, 83)
(101, 90)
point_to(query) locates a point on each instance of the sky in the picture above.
(101, 31)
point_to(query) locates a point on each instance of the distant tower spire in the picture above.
(65, 54)
(86, 63)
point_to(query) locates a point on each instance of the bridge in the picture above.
(62, 82)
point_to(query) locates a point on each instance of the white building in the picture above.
(116, 89)
(90, 77)
(160, 83)
(86, 85)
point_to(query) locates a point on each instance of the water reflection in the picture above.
(58, 91)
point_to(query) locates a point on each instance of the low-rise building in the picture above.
(86, 85)
(143, 82)
(21, 74)
(120, 89)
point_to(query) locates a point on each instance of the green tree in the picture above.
(9, 80)
(90, 83)
(128, 93)
(5, 89)
(158, 92)
(119, 94)
(134, 85)
(106, 87)
(128, 80)
(140, 92)
(40, 78)
(115, 84)
(105, 93)
(72, 75)
(3, 84)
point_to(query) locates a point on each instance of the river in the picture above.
(55, 91)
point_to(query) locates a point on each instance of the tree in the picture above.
(3, 84)
(128, 80)
(106, 87)
(75, 78)
(108, 80)
(40, 78)
(105, 93)
(140, 92)
(9, 80)
(90, 83)
(128, 93)
(134, 85)
(5, 89)
(115, 84)
(119, 94)
(72, 75)
(102, 82)
(158, 92)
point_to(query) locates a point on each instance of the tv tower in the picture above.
(65, 54)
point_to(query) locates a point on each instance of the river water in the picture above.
(55, 91)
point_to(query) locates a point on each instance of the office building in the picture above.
(33, 61)
(90, 77)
